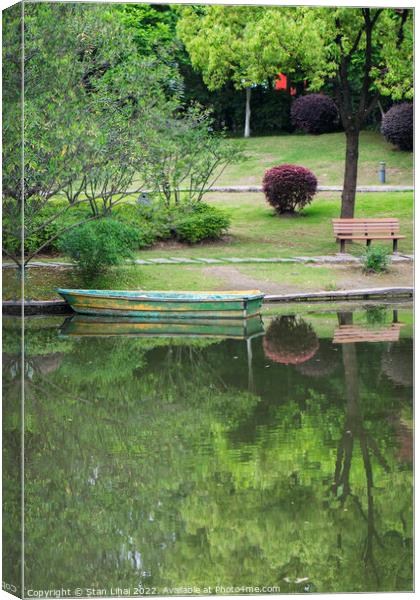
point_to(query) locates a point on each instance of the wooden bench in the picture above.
(350, 334)
(367, 229)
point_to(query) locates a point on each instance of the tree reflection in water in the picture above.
(150, 460)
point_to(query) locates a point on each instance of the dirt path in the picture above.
(346, 277)
(233, 279)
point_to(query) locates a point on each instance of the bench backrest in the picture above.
(365, 226)
(349, 334)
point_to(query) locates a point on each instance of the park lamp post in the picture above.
(382, 176)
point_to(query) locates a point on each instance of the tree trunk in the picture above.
(247, 132)
(348, 196)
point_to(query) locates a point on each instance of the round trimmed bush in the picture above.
(397, 126)
(290, 340)
(315, 113)
(289, 187)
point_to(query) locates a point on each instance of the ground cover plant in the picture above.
(376, 259)
(256, 230)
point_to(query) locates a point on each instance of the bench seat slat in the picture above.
(359, 220)
(361, 227)
(367, 229)
(370, 237)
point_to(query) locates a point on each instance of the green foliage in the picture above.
(397, 126)
(156, 446)
(152, 27)
(90, 99)
(200, 222)
(184, 153)
(376, 259)
(46, 224)
(150, 221)
(97, 245)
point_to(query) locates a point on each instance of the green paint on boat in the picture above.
(94, 326)
(159, 304)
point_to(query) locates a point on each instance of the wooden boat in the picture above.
(157, 305)
(91, 326)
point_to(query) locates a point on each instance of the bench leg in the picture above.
(368, 243)
(394, 246)
(342, 245)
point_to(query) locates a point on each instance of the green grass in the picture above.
(257, 231)
(324, 155)
(41, 283)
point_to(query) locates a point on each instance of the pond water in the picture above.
(277, 461)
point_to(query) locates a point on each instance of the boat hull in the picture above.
(91, 326)
(158, 305)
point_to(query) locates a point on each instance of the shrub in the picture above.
(45, 224)
(289, 187)
(314, 113)
(97, 245)
(375, 259)
(149, 222)
(200, 222)
(290, 340)
(397, 126)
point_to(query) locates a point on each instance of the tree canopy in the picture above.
(362, 53)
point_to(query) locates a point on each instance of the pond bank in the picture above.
(54, 307)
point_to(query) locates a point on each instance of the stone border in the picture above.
(332, 259)
(320, 188)
(36, 307)
(363, 294)
(60, 307)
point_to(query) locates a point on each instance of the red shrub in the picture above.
(290, 341)
(289, 187)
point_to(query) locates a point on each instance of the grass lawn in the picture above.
(272, 279)
(324, 155)
(257, 231)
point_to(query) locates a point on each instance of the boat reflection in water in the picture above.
(240, 329)
(85, 325)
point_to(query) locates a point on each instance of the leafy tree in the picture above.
(152, 27)
(88, 99)
(361, 52)
(224, 44)
(183, 155)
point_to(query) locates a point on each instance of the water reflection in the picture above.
(281, 460)
(290, 340)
